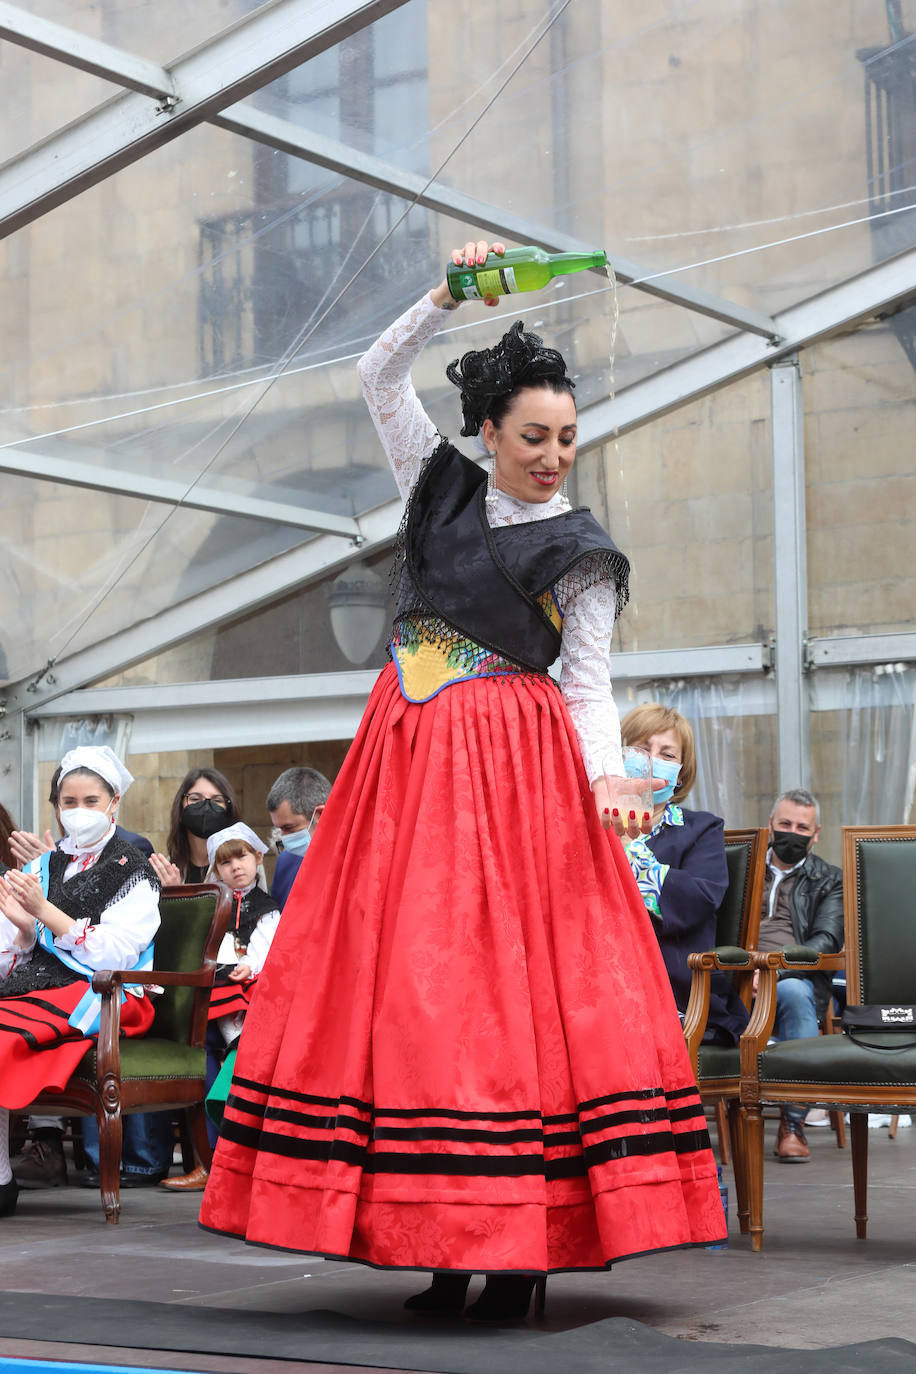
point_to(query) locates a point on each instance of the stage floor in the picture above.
(162, 1294)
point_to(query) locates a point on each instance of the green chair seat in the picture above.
(147, 1057)
(718, 1061)
(836, 1059)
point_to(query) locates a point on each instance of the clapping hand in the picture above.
(165, 870)
(17, 914)
(25, 846)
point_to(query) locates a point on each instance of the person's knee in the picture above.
(797, 993)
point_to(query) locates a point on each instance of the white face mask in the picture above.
(84, 826)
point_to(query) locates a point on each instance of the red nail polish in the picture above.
(606, 811)
(616, 812)
(632, 815)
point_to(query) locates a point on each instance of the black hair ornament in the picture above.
(489, 375)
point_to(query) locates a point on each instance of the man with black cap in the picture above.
(802, 905)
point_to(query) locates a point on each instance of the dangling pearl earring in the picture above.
(492, 492)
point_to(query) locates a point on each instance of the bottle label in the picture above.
(497, 281)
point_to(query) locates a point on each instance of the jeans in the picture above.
(796, 1019)
(147, 1143)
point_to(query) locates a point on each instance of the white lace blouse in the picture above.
(409, 436)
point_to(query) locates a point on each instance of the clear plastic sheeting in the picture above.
(40, 95)
(193, 320)
(160, 30)
(762, 152)
(859, 394)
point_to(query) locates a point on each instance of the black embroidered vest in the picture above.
(484, 584)
(255, 904)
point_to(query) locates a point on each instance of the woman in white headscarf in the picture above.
(91, 904)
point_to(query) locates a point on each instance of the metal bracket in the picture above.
(167, 104)
(769, 655)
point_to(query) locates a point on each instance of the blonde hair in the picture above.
(639, 725)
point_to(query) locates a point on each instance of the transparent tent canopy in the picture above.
(179, 406)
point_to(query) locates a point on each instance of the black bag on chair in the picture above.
(873, 1017)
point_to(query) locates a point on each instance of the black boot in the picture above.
(9, 1194)
(506, 1298)
(446, 1293)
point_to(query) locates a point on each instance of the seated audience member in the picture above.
(680, 867)
(146, 1149)
(235, 859)
(802, 905)
(295, 802)
(91, 904)
(27, 846)
(204, 803)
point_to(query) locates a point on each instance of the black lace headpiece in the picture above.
(488, 375)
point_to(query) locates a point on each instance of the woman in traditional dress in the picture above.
(464, 1054)
(92, 903)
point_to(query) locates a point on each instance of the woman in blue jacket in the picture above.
(680, 866)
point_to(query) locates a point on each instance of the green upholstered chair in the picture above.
(879, 876)
(164, 1069)
(717, 1067)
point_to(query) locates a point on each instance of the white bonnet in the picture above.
(98, 759)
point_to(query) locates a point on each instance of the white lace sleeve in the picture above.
(407, 433)
(585, 678)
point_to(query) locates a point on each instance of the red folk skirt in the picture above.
(228, 998)
(39, 1051)
(464, 1052)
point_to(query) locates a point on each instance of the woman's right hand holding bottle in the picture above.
(471, 255)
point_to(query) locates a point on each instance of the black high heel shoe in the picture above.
(9, 1196)
(507, 1297)
(446, 1294)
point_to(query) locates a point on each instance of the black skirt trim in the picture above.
(408, 1113)
(489, 1165)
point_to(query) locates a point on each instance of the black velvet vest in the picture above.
(484, 583)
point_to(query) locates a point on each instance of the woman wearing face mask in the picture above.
(91, 904)
(204, 803)
(680, 867)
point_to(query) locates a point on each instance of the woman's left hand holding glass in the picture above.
(630, 824)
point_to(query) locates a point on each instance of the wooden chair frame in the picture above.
(107, 1097)
(858, 1098)
(724, 1093)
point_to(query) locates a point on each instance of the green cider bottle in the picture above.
(518, 269)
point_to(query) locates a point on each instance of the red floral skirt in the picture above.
(464, 1052)
(39, 1051)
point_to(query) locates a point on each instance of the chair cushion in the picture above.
(149, 1057)
(836, 1059)
(718, 1061)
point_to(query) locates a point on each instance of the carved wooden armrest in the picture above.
(726, 959)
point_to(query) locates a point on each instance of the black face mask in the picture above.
(204, 818)
(789, 847)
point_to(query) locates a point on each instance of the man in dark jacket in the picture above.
(802, 905)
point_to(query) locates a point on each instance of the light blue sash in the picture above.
(85, 1016)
